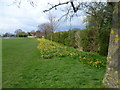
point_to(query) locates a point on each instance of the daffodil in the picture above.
(116, 36)
(108, 68)
(112, 31)
(109, 57)
(110, 61)
(116, 72)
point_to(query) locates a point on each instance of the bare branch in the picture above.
(56, 6)
(73, 6)
(66, 14)
(16, 2)
(33, 3)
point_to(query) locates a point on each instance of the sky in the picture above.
(28, 17)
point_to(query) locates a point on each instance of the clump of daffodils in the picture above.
(49, 49)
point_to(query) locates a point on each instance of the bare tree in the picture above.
(53, 22)
(18, 31)
(45, 29)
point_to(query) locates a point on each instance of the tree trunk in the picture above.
(112, 76)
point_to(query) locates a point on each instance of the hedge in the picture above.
(65, 37)
(90, 40)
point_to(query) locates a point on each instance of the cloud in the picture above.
(27, 17)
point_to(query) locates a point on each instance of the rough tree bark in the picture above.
(112, 76)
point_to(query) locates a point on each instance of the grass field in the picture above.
(23, 68)
(0, 62)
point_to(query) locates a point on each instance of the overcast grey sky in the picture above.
(28, 18)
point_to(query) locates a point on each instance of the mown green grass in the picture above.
(0, 62)
(23, 68)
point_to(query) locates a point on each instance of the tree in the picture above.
(45, 29)
(99, 19)
(53, 23)
(112, 76)
(21, 34)
(8, 35)
(18, 31)
(99, 15)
